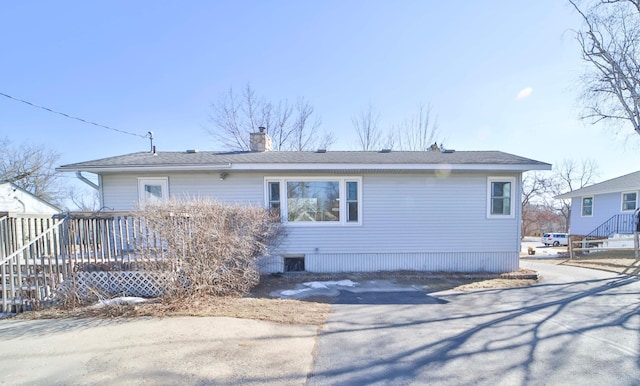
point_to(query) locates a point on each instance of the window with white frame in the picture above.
(587, 206)
(273, 195)
(315, 200)
(152, 189)
(500, 196)
(629, 201)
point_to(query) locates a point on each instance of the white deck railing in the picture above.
(38, 253)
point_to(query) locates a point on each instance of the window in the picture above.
(629, 201)
(587, 206)
(352, 201)
(315, 200)
(274, 195)
(500, 196)
(153, 189)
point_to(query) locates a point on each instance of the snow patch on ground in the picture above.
(333, 288)
(327, 284)
(120, 300)
(320, 287)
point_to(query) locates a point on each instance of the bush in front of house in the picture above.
(214, 246)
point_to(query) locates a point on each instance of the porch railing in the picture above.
(37, 254)
(31, 266)
(617, 224)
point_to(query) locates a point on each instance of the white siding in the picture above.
(605, 206)
(19, 201)
(434, 261)
(433, 223)
(120, 191)
(415, 221)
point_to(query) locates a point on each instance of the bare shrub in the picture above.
(214, 246)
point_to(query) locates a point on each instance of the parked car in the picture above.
(555, 239)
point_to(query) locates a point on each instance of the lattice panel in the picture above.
(129, 283)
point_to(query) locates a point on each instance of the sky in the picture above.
(498, 75)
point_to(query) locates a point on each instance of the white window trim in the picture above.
(582, 206)
(162, 181)
(512, 180)
(342, 181)
(622, 202)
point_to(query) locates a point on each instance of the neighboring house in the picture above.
(347, 210)
(14, 199)
(605, 209)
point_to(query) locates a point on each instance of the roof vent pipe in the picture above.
(153, 148)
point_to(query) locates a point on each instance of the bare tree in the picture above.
(366, 126)
(569, 176)
(610, 42)
(534, 186)
(541, 217)
(418, 132)
(538, 211)
(32, 168)
(305, 133)
(291, 127)
(84, 200)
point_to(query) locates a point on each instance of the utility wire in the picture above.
(72, 117)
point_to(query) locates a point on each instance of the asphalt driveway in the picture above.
(577, 326)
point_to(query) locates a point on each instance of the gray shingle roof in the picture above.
(278, 159)
(628, 182)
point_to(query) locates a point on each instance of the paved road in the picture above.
(577, 326)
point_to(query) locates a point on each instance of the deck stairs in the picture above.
(622, 224)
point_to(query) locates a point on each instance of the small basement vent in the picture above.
(294, 264)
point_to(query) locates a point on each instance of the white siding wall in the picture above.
(19, 201)
(418, 220)
(120, 191)
(604, 207)
(409, 221)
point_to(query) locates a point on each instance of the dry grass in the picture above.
(259, 306)
(273, 310)
(611, 262)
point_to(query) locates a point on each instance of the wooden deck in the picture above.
(37, 253)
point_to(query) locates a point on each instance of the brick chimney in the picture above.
(260, 141)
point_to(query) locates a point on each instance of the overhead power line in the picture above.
(72, 117)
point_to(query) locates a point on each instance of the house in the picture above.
(347, 210)
(605, 209)
(14, 199)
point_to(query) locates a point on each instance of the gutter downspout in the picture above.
(86, 180)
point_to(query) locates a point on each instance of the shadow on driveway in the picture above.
(403, 297)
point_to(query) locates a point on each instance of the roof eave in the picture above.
(588, 193)
(289, 166)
